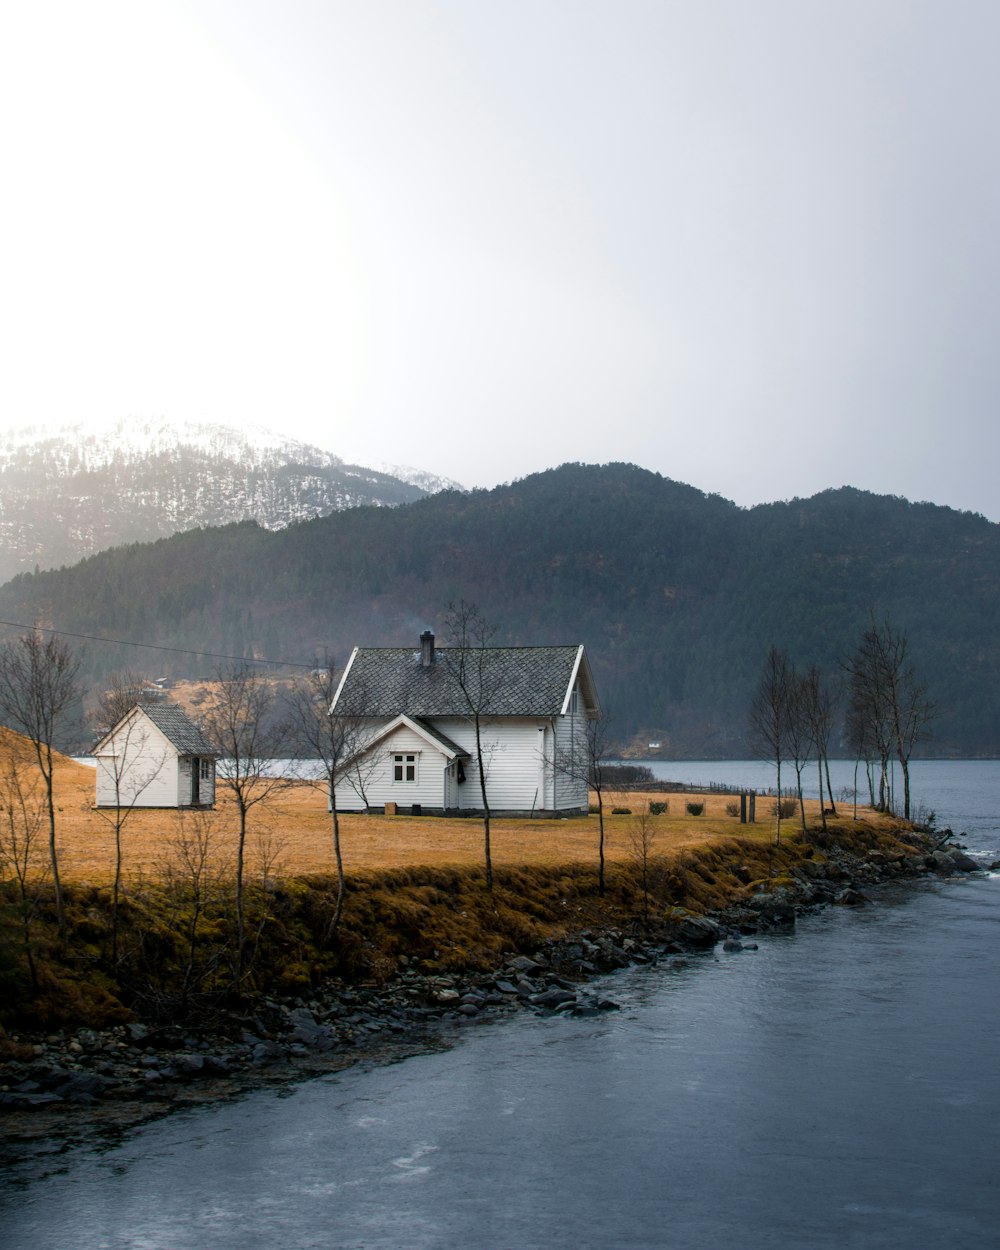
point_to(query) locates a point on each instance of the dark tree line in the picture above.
(676, 595)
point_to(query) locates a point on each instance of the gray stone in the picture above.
(521, 963)
(266, 1052)
(553, 998)
(698, 931)
(189, 1065)
(83, 1085)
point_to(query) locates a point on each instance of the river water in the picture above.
(838, 1087)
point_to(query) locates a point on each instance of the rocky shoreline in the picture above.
(71, 1080)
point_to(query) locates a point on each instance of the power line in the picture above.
(151, 646)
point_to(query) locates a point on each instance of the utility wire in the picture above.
(150, 646)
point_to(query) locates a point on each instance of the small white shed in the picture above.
(155, 757)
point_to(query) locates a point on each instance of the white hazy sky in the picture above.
(751, 244)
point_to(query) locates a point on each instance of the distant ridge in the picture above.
(70, 492)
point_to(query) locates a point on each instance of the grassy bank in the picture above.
(415, 899)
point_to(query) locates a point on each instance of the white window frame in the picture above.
(402, 763)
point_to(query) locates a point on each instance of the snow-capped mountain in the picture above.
(67, 493)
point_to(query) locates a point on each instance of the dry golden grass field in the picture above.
(291, 834)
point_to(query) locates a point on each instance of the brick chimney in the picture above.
(426, 648)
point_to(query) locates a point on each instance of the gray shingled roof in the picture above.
(182, 732)
(516, 681)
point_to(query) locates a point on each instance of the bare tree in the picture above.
(769, 718)
(870, 707)
(129, 763)
(243, 726)
(584, 761)
(642, 835)
(467, 658)
(817, 711)
(859, 738)
(196, 883)
(37, 689)
(890, 700)
(124, 691)
(22, 816)
(336, 737)
(799, 738)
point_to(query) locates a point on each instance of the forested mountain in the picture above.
(677, 594)
(69, 493)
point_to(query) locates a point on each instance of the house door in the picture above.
(195, 781)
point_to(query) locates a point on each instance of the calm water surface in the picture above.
(836, 1088)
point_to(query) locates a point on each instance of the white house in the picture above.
(414, 739)
(155, 757)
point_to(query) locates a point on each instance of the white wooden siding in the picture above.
(147, 768)
(519, 755)
(571, 742)
(379, 786)
(518, 759)
(150, 772)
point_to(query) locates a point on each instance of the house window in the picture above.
(206, 770)
(404, 768)
(574, 701)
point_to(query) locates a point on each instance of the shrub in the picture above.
(732, 809)
(695, 809)
(621, 811)
(787, 808)
(659, 807)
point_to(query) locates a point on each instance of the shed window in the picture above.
(206, 770)
(404, 768)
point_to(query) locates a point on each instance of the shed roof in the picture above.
(504, 681)
(178, 728)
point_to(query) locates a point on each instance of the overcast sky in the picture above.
(751, 244)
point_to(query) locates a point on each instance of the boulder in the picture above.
(775, 911)
(553, 998)
(698, 931)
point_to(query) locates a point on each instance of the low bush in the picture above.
(659, 807)
(732, 809)
(695, 809)
(621, 811)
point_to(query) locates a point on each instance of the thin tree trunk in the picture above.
(338, 906)
(600, 844)
(486, 808)
(115, 890)
(53, 854)
(822, 804)
(905, 766)
(240, 925)
(829, 788)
